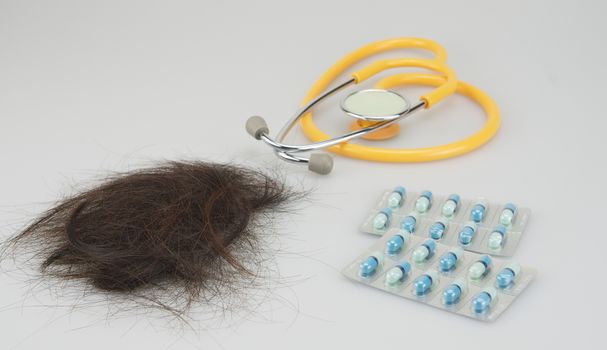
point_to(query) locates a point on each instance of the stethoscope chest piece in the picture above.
(372, 106)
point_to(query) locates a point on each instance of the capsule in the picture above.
(437, 230)
(424, 251)
(423, 284)
(382, 219)
(409, 222)
(397, 197)
(480, 268)
(370, 265)
(450, 205)
(466, 234)
(448, 261)
(477, 214)
(496, 238)
(508, 275)
(454, 291)
(483, 300)
(424, 202)
(508, 214)
(398, 273)
(396, 243)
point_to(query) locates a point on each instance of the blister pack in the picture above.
(419, 268)
(475, 225)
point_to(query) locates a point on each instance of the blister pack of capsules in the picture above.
(447, 277)
(473, 224)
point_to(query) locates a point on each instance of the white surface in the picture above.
(88, 87)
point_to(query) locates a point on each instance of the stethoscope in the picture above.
(377, 111)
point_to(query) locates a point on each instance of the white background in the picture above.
(90, 87)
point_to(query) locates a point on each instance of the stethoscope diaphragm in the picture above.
(375, 105)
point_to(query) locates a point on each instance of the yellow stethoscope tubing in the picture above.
(404, 154)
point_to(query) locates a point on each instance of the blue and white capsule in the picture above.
(508, 213)
(424, 251)
(381, 221)
(371, 264)
(423, 284)
(497, 237)
(448, 261)
(397, 242)
(482, 302)
(451, 205)
(437, 230)
(480, 268)
(467, 233)
(508, 275)
(423, 202)
(398, 274)
(409, 222)
(453, 293)
(479, 211)
(397, 197)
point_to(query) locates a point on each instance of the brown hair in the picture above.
(184, 226)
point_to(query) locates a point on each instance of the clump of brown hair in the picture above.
(188, 229)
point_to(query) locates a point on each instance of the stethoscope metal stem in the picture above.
(284, 150)
(287, 156)
(320, 163)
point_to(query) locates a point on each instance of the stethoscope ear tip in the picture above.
(257, 126)
(320, 163)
